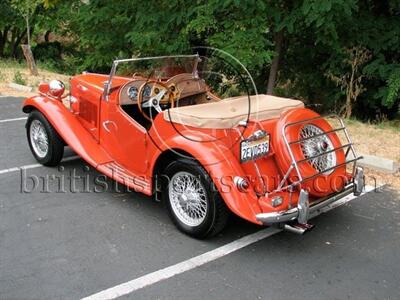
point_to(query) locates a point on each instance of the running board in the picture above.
(125, 177)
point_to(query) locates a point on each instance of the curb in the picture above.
(19, 87)
(379, 163)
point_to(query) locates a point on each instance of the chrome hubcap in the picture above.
(39, 138)
(188, 198)
(317, 146)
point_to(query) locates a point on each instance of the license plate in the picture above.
(251, 149)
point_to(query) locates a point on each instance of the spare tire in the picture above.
(331, 179)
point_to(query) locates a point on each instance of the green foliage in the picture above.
(25, 7)
(393, 125)
(10, 63)
(393, 85)
(7, 14)
(18, 79)
(316, 34)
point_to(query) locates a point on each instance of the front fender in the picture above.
(222, 167)
(69, 128)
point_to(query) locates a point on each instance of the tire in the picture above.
(214, 215)
(53, 153)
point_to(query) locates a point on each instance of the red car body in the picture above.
(280, 186)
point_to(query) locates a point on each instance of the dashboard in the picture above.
(185, 85)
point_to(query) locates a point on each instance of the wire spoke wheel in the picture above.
(188, 198)
(317, 146)
(39, 138)
(46, 145)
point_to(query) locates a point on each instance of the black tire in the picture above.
(55, 149)
(217, 214)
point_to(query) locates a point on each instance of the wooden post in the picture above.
(26, 49)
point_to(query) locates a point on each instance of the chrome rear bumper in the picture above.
(305, 211)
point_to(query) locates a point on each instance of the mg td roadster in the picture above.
(267, 159)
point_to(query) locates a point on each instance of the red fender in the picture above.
(222, 167)
(69, 128)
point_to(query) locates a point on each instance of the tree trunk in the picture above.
(47, 36)
(3, 40)
(275, 63)
(350, 91)
(16, 43)
(2, 44)
(348, 108)
(30, 60)
(12, 40)
(28, 32)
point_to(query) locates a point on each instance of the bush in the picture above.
(47, 51)
(18, 79)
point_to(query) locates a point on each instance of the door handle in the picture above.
(105, 125)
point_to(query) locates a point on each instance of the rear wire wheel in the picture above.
(192, 200)
(314, 149)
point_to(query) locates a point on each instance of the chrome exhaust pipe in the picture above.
(298, 228)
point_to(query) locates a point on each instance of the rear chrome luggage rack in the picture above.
(347, 147)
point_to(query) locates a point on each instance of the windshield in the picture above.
(223, 76)
(162, 67)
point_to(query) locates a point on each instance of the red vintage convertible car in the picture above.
(267, 159)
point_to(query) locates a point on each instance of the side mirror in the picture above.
(56, 88)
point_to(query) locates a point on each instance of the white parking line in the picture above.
(33, 166)
(194, 262)
(197, 261)
(12, 120)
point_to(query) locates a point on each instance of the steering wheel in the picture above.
(160, 94)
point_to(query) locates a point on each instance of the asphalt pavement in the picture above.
(67, 240)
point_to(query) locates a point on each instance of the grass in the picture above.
(14, 71)
(387, 124)
(11, 63)
(393, 125)
(18, 78)
(381, 139)
(21, 65)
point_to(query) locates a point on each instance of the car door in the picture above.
(123, 138)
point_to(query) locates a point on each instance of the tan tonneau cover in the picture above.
(228, 112)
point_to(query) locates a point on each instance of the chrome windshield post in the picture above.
(107, 85)
(196, 62)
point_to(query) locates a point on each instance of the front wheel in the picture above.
(46, 145)
(192, 201)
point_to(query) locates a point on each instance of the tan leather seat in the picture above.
(228, 112)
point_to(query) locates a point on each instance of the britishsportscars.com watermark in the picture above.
(85, 180)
